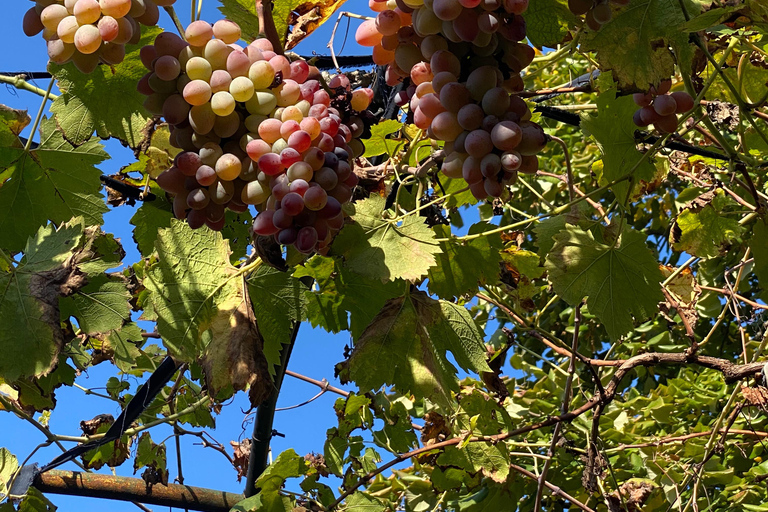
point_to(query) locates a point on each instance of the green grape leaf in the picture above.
(490, 459)
(124, 345)
(548, 22)
(8, 466)
(496, 498)
(406, 345)
(39, 393)
(620, 279)
(524, 262)
(453, 186)
(287, 465)
(158, 155)
(461, 266)
(149, 218)
(101, 305)
(35, 501)
(237, 229)
(397, 434)
(280, 302)
(151, 456)
(203, 310)
(362, 502)
(242, 12)
(344, 300)
(702, 228)
(30, 293)
(379, 144)
(613, 129)
(12, 123)
(105, 101)
(53, 182)
(708, 19)
(760, 254)
(379, 249)
(635, 43)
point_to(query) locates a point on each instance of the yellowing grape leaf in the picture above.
(52, 267)
(379, 249)
(462, 266)
(53, 182)
(548, 22)
(157, 156)
(703, 228)
(204, 312)
(406, 345)
(619, 279)
(635, 43)
(305, 17)
(12, 122)
(105, 101)
(344, 300)
(613, 129)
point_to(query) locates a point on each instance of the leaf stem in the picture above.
(20, 83)
(571, 191)
(39, 114)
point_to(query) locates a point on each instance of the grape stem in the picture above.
(39, 114)
(569, 181)
(267, 25)
(176, 21)
(19, 82)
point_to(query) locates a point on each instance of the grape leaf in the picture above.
(157, 157)
(406, 344)
(279, 300)
(242, 12)
(635, 43)
(35, 501)
(548, 22)
(344, 300)
(12, 123)
(30, 293)
(237, 230)
(124, 345)
(149, 218)
(760, 253)
(703, 229)
(105, 101)
(379, 144)
(203, 310)
(8, 466)
(362, 502)
(152, 456)
(52, 182)
(620, 279)
(100, 306)
(379, 249)
(462, 265)
(614, 131)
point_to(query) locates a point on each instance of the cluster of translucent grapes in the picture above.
(463, 59)
(87, 32)
(255, 129)
(596, 12)
(659, 107)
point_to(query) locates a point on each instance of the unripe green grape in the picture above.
(210, 153)
(261, 74)
(241, 89)
(199, 69)
(255, 193)
(202, 118)
(261, 103)
(216, 52)
(222, 103)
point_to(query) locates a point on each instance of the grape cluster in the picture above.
(87, 32)
(463, 59)
(659, 107)
(255, 129)
(596, 12)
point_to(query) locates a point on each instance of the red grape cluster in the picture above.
(596, 12)
(89, 31)
(464, 59)
(255, 129)
(660, 107)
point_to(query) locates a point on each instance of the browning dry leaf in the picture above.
(306, 17)
(435, 429)
(242, 456)
(685, 290)
(757, 396)
(635, 493)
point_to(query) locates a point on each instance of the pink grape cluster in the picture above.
(660, 108)
(87, 32)
(596, 12)
(463, 59)
(255, 129)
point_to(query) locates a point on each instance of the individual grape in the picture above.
(175, 109)
(382, 56)
(202, 118)
(222, 103)
(478, 143)
(300, 141)
(291, 113)
(238, 64)
(108, 29)
(221, 192)
(287, 236)
(493, 188)
(466, 25)
(647, 115)
(534, 139)
(447, 10)
(602, 13)
(180, 206)
(315, 157)
(591, 22)
(67, 28)
(326, 178)
(495, 100)
(642, 99)
(288, 93)
(199, 69)
(490, 165)
(227, 126)
(151, 14)
(255, 193)
(220, 81)
(281, 65)
(269, 130)
(115, 8)
(210, 153)
(441, 79)
(667, 123)
(511, 161)
(529, 164)
(87, 39)
(166, 67)
(425, 22)
(387, 22)
(580, 7)
(480, 81)
(289, 156)
(125, 31)
(198, 33)
(263, 223)
(288, 127)
(306, 240)
(663, 88)
(453, 96)
(683, 100)
(271, 164)
(637, 118)
(226, 30)
(488, 22)
(367, 34)
(299, 71)
(292, 204)
(361, 99)
(31, 23)
(261, 74)
(444, 60)
(205, 175)
(217, 53)
(261, 103)
(241, 89)
(664, 105)
(452, 165)
(506, 135)
(282, 220)
(470, 171)
(198, 199)
(172, 181)
(197, 92)
(311, 126)
(86, 12)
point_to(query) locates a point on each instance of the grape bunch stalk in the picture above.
(660, 108)
(463, 59)
(255, 129)
(596, 12)
(87, 32)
